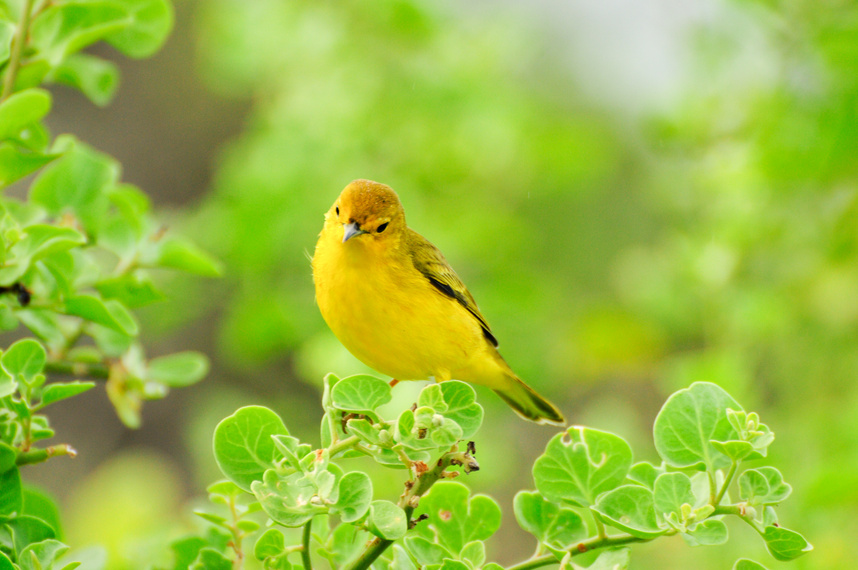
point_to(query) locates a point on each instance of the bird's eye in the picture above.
(382, 227)
(338, 210)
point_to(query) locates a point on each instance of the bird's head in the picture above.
(367, 209)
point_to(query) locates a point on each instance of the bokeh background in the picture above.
(639, 193)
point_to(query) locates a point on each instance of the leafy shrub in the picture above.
(590, 496)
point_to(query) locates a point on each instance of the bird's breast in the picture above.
(388, 314)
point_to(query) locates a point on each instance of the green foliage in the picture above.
(75, 256)
(589, 497)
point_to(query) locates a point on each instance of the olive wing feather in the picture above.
(429, 261)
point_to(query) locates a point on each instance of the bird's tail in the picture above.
(527, 403)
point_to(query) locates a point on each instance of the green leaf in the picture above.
(645, 474)
(671, 491)
(211, 517)
(45, 324)
(185, 550)
(746, 564)
(151, 22)
(24, 359)
(6, 563)
(224, 488)
(39, 241)
(178, 370)
(688, 423)
(735, 450)
(580, 464)
(77, 183)
(354, 496)
(550, 523)
(269, 545)
(386, 520)
(183, 255)
(8, 385)
(785, 544)
(346, 543)
(27, 530)
(8, 456)
(461, 406)
(7, 32)
(401, 560)
(763, 486)
(63, 29)
(366, 431)
(41, 505)
(11, 494)
(95, 77)
(630, 508)
(211, 559)
(243, 447)
(109, 313)
(287, 500)
(16, 162)
(474, 554)
(360, 394)
(61, 390)
(41, 554)
(425, 551)
(456, 518)
(612, 559)
(132, 290)
(22, 108)
(710, 532)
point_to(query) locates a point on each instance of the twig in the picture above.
(39, 455)
(17, 47)
(729, 479)
(578, 549)
(96, 370)
(408, 501)
(305, 542)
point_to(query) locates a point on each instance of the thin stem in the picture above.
(713, 486)
(17, 48)
(96, 370)
(305, 542)
(741, 511)
(729, 479)
(580, 548)
(407, 502)
(238, 563)
(600, 528)
(343, 445)
(40, 455)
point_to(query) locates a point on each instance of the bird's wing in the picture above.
(429, 261)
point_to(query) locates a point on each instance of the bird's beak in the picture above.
(351, 230)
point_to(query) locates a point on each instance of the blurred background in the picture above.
(640, 194)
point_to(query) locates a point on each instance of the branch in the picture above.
(408, 500)
(580, 548)
(17, 47)
(305, 543)
(39, 455)
(95, 370)
(727, 480)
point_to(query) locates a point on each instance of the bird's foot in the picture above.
(393, 382)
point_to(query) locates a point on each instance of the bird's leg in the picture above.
(393, 382)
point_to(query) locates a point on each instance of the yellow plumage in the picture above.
(394, 302)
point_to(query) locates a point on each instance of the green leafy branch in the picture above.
(590, 496)
(76, 255)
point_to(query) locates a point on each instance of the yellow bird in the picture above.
(397, 305)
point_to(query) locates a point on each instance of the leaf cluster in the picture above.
(590, 495)
(703, 438)
(77, 255)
